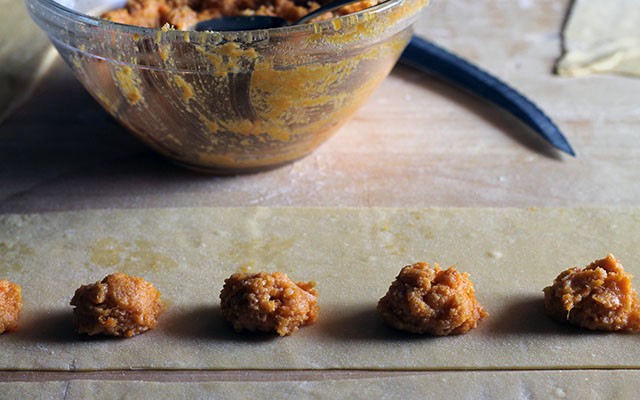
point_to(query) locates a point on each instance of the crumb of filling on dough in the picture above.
(120, 305)
(10, 305)
(268, 302)
(597, 297)
(431, 300)
(184, 14)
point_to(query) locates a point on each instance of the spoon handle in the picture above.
(426, 56)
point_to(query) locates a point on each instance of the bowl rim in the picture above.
(336, 24)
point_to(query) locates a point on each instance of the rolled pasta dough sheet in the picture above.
(592, 384)
(352, 255)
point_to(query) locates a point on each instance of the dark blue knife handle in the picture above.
(426, 56)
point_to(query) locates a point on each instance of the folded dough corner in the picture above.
(601, 37)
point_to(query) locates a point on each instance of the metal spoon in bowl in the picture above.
(427, 57)
(255, 22)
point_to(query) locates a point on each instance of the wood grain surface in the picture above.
(416, 142)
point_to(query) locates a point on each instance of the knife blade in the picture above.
(428, 57)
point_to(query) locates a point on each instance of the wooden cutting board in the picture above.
(416, 143)
(25, 55)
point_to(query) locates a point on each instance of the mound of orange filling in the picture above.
(10, 305)
(268, 302)
(119, 305)
(431, 300)
(598, 297)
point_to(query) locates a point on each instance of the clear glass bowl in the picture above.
(229, 102)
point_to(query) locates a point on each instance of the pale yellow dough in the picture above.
(547, 385)
(602, 36)
(352, 254)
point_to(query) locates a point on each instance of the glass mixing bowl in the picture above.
(229, 102)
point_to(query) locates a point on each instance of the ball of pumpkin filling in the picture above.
(10, 305)
(268, 302)
(431, 300)
(598, 297)
(119, 305)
